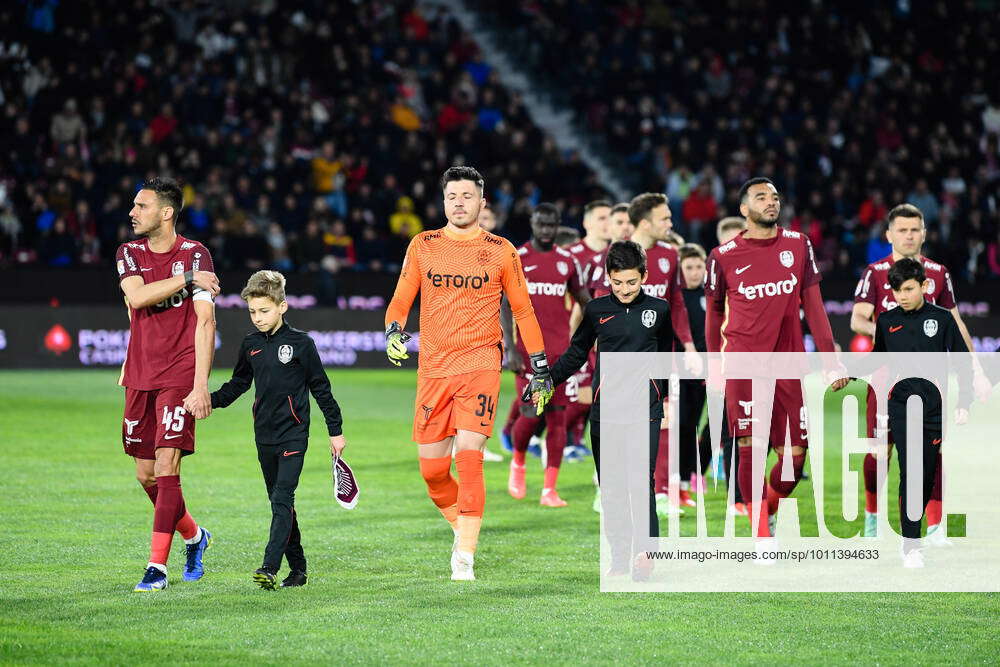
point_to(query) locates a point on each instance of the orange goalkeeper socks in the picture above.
(471, 498)
(441, 487)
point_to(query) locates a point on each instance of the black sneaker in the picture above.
(294, 578)
(265, 579)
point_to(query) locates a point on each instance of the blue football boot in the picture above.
(153, 580)
(193, 568)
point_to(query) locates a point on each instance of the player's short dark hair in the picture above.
(566, 236)
(625, 255)
(462, 174)
(906, 269)
(620, 207)
(641, 205)
(904, 211)
(745, 188)
(597, 203)
(546, 209)
(168, 193)
(689, 250)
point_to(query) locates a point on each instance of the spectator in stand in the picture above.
(993, 256)
(699, 209)
(339, 244)
(198, 219)
(878, 244)
(59, 247)
(924, 199)
(249, 248)
(277, 242)
(873, 209)
(309, 247)
(404, 216)
(163, 125)
(370, 250)
(67, 125)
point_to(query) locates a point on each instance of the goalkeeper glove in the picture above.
(395, 343)
(541, 382)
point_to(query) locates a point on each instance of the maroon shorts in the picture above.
(876, 422)
(156, 418)
(788, 413)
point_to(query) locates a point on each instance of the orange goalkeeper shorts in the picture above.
(444, 405)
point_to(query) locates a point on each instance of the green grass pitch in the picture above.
(74, 532)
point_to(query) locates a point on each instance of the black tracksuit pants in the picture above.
(620, 516)
(281, 465)
(927, 448)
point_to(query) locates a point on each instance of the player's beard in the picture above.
(544, 245)
(761, 220)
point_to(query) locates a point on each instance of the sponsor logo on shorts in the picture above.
(130, 424)
(297, 451)
(171, 437)
(427, 412)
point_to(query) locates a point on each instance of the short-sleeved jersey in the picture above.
(874, 286)
(583, 255)
(550, 276)
(662, 264)
(161, 343)
(760, 282)
(460, 282)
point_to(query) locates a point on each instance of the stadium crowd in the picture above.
(849, 108)
(310, 135)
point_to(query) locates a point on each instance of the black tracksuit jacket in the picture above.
(285, 366)
(929, 328)
(640, 326)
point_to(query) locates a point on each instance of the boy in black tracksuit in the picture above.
(619, 322)
(285, 366)
(918, 326)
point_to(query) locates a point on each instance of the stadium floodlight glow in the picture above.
(818, 543)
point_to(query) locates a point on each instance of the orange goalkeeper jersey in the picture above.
(461, 280)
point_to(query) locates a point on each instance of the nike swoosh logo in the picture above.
(895, 329)
(887, 286)
(936, 441)
(253, 352)
(297, 451)
(169, 437)
(530, 268)
(605, 319)
(145, 269)
(739, 271)
(482, 424)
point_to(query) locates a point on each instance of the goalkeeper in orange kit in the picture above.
(461, 272)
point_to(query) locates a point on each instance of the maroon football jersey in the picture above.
(661, 263)
(760, 283)
(874, 287)
(583, 255)
(550, 276)
(161, 346)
